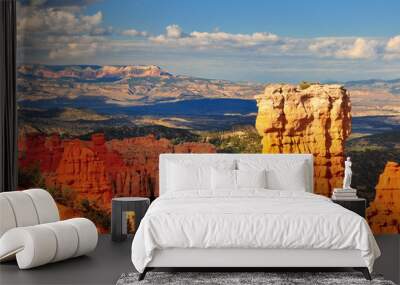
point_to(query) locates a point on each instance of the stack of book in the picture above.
(344, 194)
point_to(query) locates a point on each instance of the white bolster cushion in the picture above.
(40, 244)
(67, 240)
(45, 205)
(87, 234)
(23, 208)
(32, 246)
(7, 218)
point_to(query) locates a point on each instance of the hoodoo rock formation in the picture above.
(98, 170)
(307, 119)
(384, 211)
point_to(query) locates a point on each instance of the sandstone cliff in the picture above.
(384, 211)
(314, 119)
(98, 170)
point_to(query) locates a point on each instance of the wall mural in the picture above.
(104, 87)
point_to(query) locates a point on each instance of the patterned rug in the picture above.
(242, 278)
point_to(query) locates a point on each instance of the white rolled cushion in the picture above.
(223, 179)
(281, 175)
(7, 218)
(67, 240)
(23, 208)
(45, 205)
(87, 235)
(251, 178)
(33, 246)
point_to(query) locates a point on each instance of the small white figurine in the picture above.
(347, 174)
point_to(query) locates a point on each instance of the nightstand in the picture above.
(119, 206)
(356, 205)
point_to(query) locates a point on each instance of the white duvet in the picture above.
(250, 219)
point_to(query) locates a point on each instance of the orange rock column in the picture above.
(384, 212)
(313, 120)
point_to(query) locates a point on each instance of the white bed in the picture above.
(249, 227)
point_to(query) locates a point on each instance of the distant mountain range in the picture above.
(393, 86)
(145, 84)
(124, 85)
(55, 98)
(90, 73)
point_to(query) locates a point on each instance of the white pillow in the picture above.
(281, 174)
(193, 175)
(187, 178)
(223, 179)
(227, 179)
(251, 179)
(293, 179)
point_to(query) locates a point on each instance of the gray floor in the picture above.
(103, 266)
(110, 260)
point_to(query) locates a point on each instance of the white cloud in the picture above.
(344, 48)
(134, 33)
(60, 32)
(392, 48)
(324, 47)
(175, 36)
(74, 50)
(173, 32)
(393, 44)
(61, 22)
(69, 32)
(361, 49)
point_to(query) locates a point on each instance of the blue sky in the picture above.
(262, 41)
(296, 18)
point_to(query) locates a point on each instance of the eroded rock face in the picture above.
(384, 211)
(98, 170)
(313, 120)
(38, 150)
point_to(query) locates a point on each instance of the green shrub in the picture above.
(239, 140)
(304, 85)
(30, 177)
(64, 196)
(92, 212)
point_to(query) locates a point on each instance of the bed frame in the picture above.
(243, 259)
(246, 258)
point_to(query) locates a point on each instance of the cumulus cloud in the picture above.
(61, 47)
(68, 31)
(174, 36)
(173, 32)
(393, 44)
(134, 33)
(54, 21)
(324, 47)
(360, 49)
(392, 48)
(345, 48)
(74, 50)
(60, 32)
